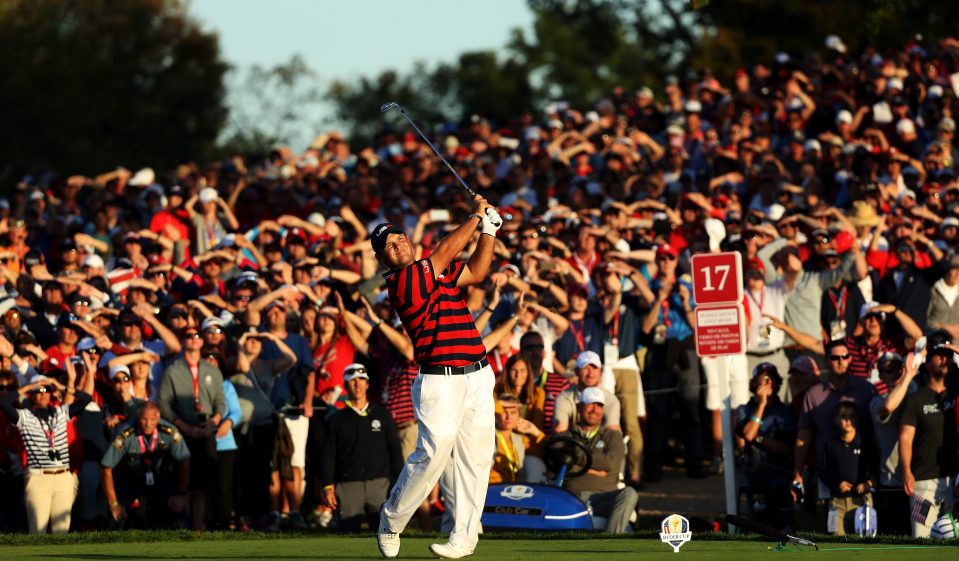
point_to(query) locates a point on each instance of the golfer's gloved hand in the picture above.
(491, 223)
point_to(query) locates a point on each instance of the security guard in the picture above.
(145, 473)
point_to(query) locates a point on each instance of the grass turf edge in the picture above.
(146, 536)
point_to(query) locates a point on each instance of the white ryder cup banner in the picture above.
(675, 531)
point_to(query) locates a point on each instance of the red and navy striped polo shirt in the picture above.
(434, 314)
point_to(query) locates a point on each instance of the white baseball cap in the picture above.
(208, 195)
(94, 261)
(869, 307)
(119, 369)
(211, 321)
(355, 370)
(844, 116)
(588, 357)
(592, 395)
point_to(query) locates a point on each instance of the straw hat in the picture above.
(863, 214)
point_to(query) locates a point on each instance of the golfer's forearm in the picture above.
(453, 244)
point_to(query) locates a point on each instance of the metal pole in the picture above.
(729, 472)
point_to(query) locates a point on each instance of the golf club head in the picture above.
(388, 105)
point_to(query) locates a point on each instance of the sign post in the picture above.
(720, 334)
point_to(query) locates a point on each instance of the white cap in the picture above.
(835, 43)
(782, 58)
(316, 219)
(588, 357)
(592, 395)
(355, 370)
(208, 195)
(868, 307)
(674, 130)
(94, 261)
(212, 321)
(844, 116)
(905, 126)
(37, 378)
(894, 84)
(776, 211)
(118, 369)
(37, 195)
(812, 145)
(935, 91)
(693, 106)
(949, 221)
(143, 178)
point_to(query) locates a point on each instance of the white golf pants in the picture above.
(456, 420)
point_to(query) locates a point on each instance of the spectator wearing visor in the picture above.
(361, 454)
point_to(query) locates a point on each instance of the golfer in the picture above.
(453, 393)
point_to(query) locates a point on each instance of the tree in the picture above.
(89, 85)
(271, 106)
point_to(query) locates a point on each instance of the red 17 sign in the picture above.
(717, 278)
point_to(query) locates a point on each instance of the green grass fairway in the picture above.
(495, 549)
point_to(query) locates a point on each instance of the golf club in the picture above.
(393, 105)
(765, 530)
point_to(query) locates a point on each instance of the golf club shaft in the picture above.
(393, 105)
(435, 151)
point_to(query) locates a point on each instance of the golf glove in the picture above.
(491, 223)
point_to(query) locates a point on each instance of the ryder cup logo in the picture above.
(675, 531)
(517, 492)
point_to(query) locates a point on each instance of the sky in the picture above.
(346, 39)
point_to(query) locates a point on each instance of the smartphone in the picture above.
(439, 215)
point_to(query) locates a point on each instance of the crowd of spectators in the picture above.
(212, 346)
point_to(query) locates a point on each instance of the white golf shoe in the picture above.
(449, 551)
(389, 544)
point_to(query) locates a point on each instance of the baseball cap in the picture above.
(889, 360)
(37, 378)
(805, 365)
(949, 221)
(755, 264)
(208, 195)
(86, 344)
(693, 106)
(381, 232)
(844, 116)
(355, 370)
(765, 367)
(295, 235)
(94, 261)
(588, 357)
(119, 369)
(211, 321)
(947, 124)
(592, 395)
(869, 307)
(667, 249)
(247, 277)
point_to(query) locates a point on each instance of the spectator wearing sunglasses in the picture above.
(817, 422)
(50, 485)
(867, 347)
(131, 336)
(191, 397)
